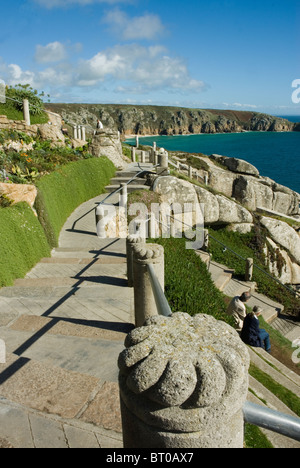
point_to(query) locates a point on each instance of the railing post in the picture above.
(133, 154)
(183, 384)
(130, 242)
(249, 269)
(100, 224)
(123, 196)
(26, 111)
(144, 301)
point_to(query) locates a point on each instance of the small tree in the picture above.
(20, 92)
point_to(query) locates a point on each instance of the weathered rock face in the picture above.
(157, 120)
(106, 142)
(217, 208)
(19, 192)
(284, 235)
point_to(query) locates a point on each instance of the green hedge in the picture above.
(22, 242)
(60, 192)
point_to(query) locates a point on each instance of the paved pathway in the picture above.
(64, 327)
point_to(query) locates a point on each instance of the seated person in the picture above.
(251, 334)
(237, 309)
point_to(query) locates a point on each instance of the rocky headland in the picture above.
(158, 120)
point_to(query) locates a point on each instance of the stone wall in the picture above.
(20, 125)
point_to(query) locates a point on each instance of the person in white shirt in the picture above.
(237, 310)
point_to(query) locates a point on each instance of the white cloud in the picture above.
(147, 27)
(53, 52)
(143, 68)
(129, 68)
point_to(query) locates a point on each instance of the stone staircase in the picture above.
(225, 282)
(124, 176)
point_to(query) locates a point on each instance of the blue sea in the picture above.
(276, 155)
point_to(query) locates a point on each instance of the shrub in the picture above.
(60, 192)
(22, 242)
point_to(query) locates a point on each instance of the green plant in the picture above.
(20, 92)
(60, 192)
(22, 242)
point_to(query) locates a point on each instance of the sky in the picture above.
(222, 54)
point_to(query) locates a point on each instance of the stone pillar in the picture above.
(163, 161)
(79, 132)
(183, 383)
(137, 141)
(131, 241)
(75, 134)
(83, 137)
(133, 154)
(26, 111)
(123, 196)
(249, 269)
(100, 224)
(144, 301)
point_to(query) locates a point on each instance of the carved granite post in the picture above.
(144, 301)
(130, 242)
(183, 382)
(26, 111)
(249, 269)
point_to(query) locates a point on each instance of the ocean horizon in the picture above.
(275, 154)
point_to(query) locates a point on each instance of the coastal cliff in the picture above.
(158, 120)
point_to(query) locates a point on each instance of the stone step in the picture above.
(23, 427)
(220, 275)
(55, 391)
(282, 375)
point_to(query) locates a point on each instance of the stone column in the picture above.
(123, 195)
(144, 301)
(100, 224)
(83, 137)
(183, 383)
(249, 269)
(131, 241)
(133, 154)
(79, 132)
(75, 134)
(26, 111)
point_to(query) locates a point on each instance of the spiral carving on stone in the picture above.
(194, 362)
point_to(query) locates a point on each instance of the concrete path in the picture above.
(64, 326)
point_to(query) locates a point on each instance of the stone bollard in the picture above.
(26, 113)
(133, 154)
(249, 269)
(183, 383)
(123, 195)
(144, 301)
(130, 242)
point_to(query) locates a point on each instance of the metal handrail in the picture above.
(257, 415)
(275, 421)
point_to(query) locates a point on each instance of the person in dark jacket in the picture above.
(251, 334)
